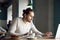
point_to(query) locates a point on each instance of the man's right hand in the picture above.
(48, 34)
(14, 36)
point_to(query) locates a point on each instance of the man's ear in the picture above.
(25, 15)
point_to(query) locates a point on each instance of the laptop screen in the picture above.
(58, 32)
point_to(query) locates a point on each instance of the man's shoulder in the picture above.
(19, 18)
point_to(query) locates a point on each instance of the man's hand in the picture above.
(14, 36)
(48, 34)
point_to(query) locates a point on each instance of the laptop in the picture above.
(58, 32)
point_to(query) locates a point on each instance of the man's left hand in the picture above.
(48, 34)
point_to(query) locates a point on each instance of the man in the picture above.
(22, 26)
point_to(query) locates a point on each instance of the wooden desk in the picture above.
(27, 39)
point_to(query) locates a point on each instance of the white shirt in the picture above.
(19, 27)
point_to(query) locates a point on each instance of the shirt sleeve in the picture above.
(34, 29)
(13, 27)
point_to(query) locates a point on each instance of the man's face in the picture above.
(30, 16)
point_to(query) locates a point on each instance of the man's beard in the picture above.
(29, 21)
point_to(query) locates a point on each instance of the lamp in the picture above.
(29, 3)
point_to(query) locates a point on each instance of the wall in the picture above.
(43, 15)
(3, 16)
(56, 15)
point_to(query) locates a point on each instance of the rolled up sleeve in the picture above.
(34, 29)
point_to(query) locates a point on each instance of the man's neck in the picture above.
(24, 20)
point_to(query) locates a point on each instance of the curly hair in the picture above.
(26, 11)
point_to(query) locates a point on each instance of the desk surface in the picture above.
(28, 39)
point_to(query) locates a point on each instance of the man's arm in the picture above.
(34, 29)
(40, 33)
(13, 28)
